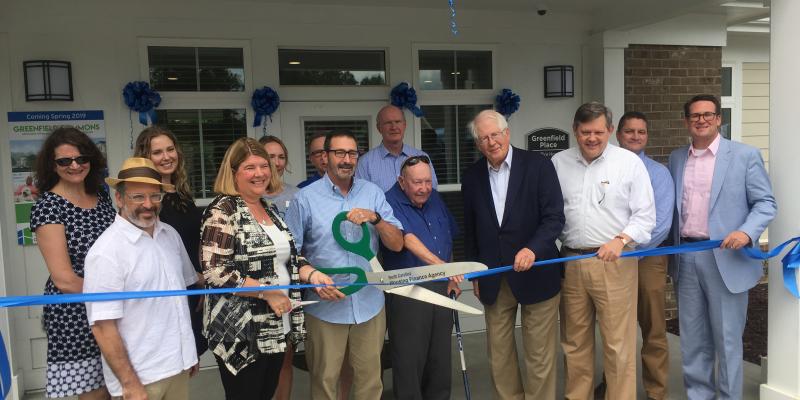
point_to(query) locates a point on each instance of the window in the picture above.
(725, 128)
(727, 81)
(359, 127)
(196, 69)
(332, 67)
(446, 139)
(204, 136)
(455, 69)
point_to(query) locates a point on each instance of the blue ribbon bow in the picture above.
(265, 102)
(140, 97)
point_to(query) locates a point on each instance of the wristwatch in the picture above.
(378, 218)
(622, 239)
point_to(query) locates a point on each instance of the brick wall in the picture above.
(659, 79)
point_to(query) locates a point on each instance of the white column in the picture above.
(614, 80)
(783, 351)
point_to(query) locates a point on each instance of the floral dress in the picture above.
(73, 358)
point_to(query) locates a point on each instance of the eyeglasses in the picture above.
(139, 198)
(707, 116)
(412, 161)
(66, 161)
(494, 136)
(341, 153)
(317, 153)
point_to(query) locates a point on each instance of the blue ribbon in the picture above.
(791, 262)
(140, 97)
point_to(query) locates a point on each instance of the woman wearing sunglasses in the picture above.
(72, 212)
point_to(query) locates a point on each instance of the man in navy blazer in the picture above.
(513, 213)
(722, 191)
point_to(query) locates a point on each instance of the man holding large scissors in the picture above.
(356, 324)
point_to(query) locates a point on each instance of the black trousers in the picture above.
(257, 381)
(419, 343)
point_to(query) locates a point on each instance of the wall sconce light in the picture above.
(559, 81)
(48, 80)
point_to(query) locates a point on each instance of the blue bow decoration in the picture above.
(506, 103)
(265, 102)
(140, 97)
(404, 96)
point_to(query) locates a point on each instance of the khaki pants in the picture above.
(326, 344)
(539, 333)
(652, 321)
(608, 289)
(175, 387)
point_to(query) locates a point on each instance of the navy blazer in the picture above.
(533, 218)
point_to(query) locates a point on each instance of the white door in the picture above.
(300, 120)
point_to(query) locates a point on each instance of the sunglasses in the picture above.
(66, 161)
(412, 161)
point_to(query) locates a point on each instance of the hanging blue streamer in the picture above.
(453, 27)
(140, 97)
(506, 103)
(791, 262)
(265, 102)
(404, 96)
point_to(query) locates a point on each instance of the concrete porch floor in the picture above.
(207, 386)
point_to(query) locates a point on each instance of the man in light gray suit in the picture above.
(722, 191)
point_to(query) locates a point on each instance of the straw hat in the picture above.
(142, 170)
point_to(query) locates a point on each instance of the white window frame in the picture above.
(734, 101)
(204, 100)
(334, 93)
(452, 97)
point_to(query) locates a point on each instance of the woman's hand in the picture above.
(277, 301)
(330, 293)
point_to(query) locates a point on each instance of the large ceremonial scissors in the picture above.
(399, 281)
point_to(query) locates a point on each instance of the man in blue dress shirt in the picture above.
(632, 135)
(419, 332)
(381, 165)
(356, 324)
(318, 158)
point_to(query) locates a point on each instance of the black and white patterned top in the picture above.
(69, 338)
(235, 247)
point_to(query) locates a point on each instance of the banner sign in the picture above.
(27, 132)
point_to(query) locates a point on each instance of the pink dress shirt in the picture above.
(696, 199)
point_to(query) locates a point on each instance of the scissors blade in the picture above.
(405, 276)
(422, 294)
(297, 304)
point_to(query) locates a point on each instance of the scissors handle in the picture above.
(361, 247)
(361, 277)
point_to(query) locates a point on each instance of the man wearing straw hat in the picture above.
(147, 344)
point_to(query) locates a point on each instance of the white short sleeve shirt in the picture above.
(157, 332)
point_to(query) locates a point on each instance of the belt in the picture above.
(581, 251)
(692, 239)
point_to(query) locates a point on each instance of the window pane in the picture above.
(726, 81)
(473, 69)
(359, 127)
(172, 68)
(446, 139)
(221, 69)
(204, 135)
(332, 67)
(725, 128)
(437, 69)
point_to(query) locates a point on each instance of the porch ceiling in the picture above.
(604, 14)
